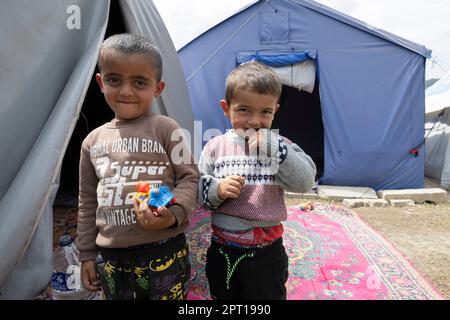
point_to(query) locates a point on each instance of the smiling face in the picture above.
(129, 83)
(250, 110)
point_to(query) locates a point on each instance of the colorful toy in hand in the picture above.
(157, 197)
(307, 206)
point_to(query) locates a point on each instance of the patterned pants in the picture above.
(247, 274)
(151, 271)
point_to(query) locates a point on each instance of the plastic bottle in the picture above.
(66, 280)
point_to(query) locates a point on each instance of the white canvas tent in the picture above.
(437, 131)
(48, 55)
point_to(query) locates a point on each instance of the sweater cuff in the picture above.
(282, 150)
(87, 255)
(275, 151)
(210, 196)
(179, 213)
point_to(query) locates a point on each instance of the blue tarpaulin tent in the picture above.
(365, 117)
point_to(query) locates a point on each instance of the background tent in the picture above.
(437, 143)
(48, 57)
(366, 111)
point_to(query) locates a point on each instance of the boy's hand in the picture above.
(230, 187)
(89, 275)
(148, 220)
(261, 142)
(254, 141)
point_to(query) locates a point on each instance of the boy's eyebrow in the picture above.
(246, 106)
(112, 74)
(119, 75)
(141, 78)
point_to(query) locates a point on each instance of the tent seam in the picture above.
(226, 41)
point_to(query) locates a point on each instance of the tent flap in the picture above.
(274, 59)
(49, 58)
(300, 75)
(274, 28)
(44, 128)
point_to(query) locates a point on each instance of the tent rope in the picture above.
(434, 62)
(86, 121)
(415, 151)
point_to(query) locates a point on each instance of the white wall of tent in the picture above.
(49, 53)
(437, 131)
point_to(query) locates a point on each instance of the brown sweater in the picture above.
(114, 157)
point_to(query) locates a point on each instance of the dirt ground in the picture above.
(421, 233)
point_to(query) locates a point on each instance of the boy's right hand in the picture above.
(230, 187)
(147, 218)
(89, 275)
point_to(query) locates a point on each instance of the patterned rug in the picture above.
(333, 255)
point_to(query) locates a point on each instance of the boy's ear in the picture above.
(99, 80)
(159, 88)
(225, 107)
(277, 107)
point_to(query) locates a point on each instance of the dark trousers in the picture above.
(240, 273)
(149, 271)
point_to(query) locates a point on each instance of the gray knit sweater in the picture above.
(261, 202)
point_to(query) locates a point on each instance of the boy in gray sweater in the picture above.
(244, 174)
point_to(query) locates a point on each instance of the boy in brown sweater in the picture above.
(145, 255)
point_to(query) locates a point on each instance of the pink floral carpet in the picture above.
(333, 255)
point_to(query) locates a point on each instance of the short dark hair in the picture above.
(133, 44)
(255, 77)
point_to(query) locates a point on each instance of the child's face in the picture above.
(250, 110)
(129, 83)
